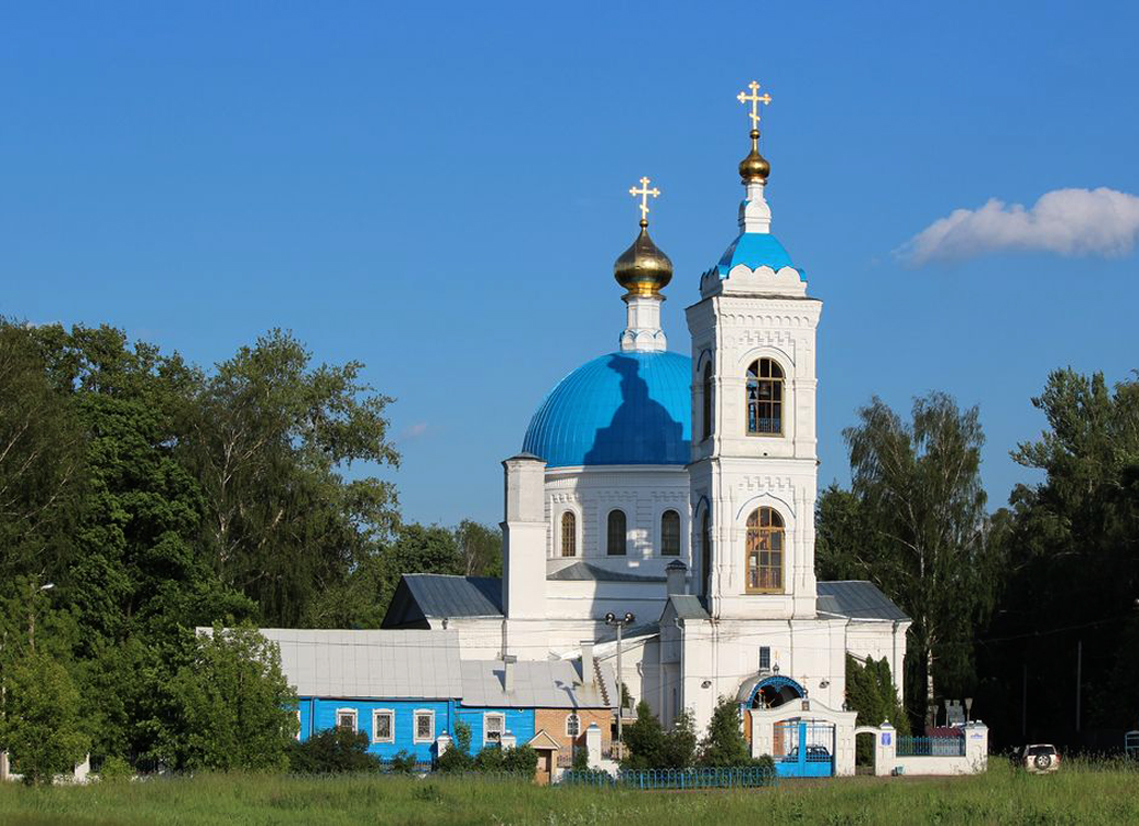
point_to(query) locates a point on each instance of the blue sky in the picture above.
(440, 191)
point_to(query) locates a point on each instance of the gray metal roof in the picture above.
(857, 599)
(584, 571)
(688, 606)
(537, 684)
(439, 595)
(360, 664)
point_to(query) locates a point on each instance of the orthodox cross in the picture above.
(754, 99)
(644, 192)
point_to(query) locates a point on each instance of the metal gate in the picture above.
(804, 748)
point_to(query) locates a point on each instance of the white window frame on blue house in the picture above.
(423, 712)
(350, 711)
(376, 715)
(298, 735)
(486, 727)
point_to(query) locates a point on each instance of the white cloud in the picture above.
(1101, 222)
(413, 431)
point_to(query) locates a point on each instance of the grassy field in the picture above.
(1089, 793)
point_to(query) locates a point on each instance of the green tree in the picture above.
(724, 745)
(645, 740)
(679, 743)
(1072, 554)
(233, 707)
(42, 724)
(870, 691)
(480, 547)
(915, 524)
(41, 460)
(271, 437)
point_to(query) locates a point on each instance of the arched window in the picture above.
(765, 397)
(670, 534)
(569, 534)
(706, 418)
(706, 552)
(616, 543)
(765, 542)
(573, 725)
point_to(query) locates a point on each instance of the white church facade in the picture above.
(680, 488)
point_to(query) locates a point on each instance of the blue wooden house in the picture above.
(406, 689)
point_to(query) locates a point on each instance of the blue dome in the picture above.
(754, 249)
(619, 409)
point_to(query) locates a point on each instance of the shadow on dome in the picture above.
(641, 430)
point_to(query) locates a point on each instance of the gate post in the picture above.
(885, 750)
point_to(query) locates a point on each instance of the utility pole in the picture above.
(619, 623)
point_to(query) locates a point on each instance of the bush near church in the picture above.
(521, 761)
(723, 745)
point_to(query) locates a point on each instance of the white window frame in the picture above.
(486, 727)
(575, 716)
(422, 712)
(355, 718)
(298, 724)
(376, 714)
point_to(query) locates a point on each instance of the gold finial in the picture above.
(754, 167)
(642, 269)
(644, 192)
(754, 99)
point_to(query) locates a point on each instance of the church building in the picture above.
(666, 498)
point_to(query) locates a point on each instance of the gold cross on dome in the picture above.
(644, 192)
(755, 98)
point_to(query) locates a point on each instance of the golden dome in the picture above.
(643, 269)
(754, 167)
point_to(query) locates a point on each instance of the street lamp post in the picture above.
(619, 623)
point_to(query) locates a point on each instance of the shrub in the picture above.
(115, 770)
(458, 757)
(522, 761)
(403, 762)
(490, 759)
(333, 751)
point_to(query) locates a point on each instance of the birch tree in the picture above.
(921, 527)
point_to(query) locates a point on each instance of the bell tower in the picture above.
(754, 457)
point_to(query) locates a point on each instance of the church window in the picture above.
(573, 725)
(424, 726)
(706, 417)
(346, 718)
(765, 540)
(383, 726)
(616, 545)
(670, 533)
(493, 727)
(569, 534)
(764, 657)
(765, 398)
(706, 552)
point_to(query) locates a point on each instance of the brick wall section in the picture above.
(553, 720)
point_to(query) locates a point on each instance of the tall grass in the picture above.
(1091, 792)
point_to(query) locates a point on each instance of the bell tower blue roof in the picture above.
(625, 408)
(754, 250)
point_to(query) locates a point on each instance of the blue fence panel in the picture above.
(670, 779)
(931, 747)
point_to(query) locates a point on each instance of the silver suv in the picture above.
(1040, 758)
